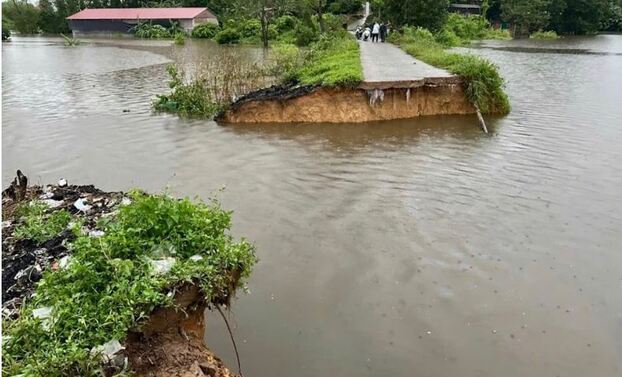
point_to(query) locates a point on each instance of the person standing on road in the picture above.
(374, 32)
(383, 32)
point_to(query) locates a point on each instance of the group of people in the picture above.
(374, 32)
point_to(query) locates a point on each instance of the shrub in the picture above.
(180, 39)
(207, 30)
(461, 29)
(286, 59)
(544, 35)
(187, 99)
(250, 28)
(228, 36)
(285, 23)
(149, 30)
(305, 35)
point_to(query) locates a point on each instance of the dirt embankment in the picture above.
(366, 103)
(168, 344)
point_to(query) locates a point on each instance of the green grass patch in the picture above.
(462, 29)
(334, 60)
(483, 84)
(544, 35)
(110, 285)
(36, 225)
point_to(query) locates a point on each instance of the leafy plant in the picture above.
(149, 30)
(179, 39)
(110, 285)
(228, 36)
(37, 226)
(70, 42)
(207, 30)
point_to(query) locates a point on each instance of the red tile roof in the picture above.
(139, 13)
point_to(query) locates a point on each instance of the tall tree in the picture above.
(21, 15)
(430, 14)
(526, 16)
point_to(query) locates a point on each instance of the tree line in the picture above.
(526, 16)
(49, 16)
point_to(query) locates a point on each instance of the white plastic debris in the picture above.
(110, 352)
(62, 182)
(196, 258)
(47, 193)
(81, 205)
(64, 262)
(162, 266)
(96, 233)
(52, 203)
(6, 224)
(45, 315)
(126, 201)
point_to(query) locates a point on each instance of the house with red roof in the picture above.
(109, 21)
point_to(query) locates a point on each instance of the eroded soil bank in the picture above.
(169, 343)
(366, 103)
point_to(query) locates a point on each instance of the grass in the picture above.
(109, 285)
(332, 61)
(37, 226)
(483, 84)
(544, 35)
(462, 29)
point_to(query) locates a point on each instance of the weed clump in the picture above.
(114, 282)
(483, 84)
(36, 225)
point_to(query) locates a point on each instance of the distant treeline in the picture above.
(525, 16)
(49, 16)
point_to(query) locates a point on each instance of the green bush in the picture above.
(110, 286)
(179, 39)
(149, 30)
(250, 28)
(228, 36)
(192, 99)
(305, 35)
(207, 30)
(544, 35)
(345, 6)
(285, 23)
(461, 29)
(483, 84)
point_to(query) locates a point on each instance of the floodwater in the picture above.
(407, 248)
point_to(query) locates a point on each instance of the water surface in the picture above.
(408, 248)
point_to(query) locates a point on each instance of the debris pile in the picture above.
(23, 259)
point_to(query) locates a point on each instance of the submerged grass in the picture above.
(483, 84)
(110, 284)
(544, 35)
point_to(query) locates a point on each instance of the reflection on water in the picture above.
(418, 247)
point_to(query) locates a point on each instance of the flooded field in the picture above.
(408, 248)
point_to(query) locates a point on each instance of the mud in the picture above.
(170, 343)
(351, 105)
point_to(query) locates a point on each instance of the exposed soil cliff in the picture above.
(350, 105)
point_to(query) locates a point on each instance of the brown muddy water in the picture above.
(409, 248)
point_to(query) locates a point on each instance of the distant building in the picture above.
(110, 21)
(465, 8)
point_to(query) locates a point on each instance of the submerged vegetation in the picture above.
(483, 84)
(111, 282)
(544, 35)
(212, 87)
